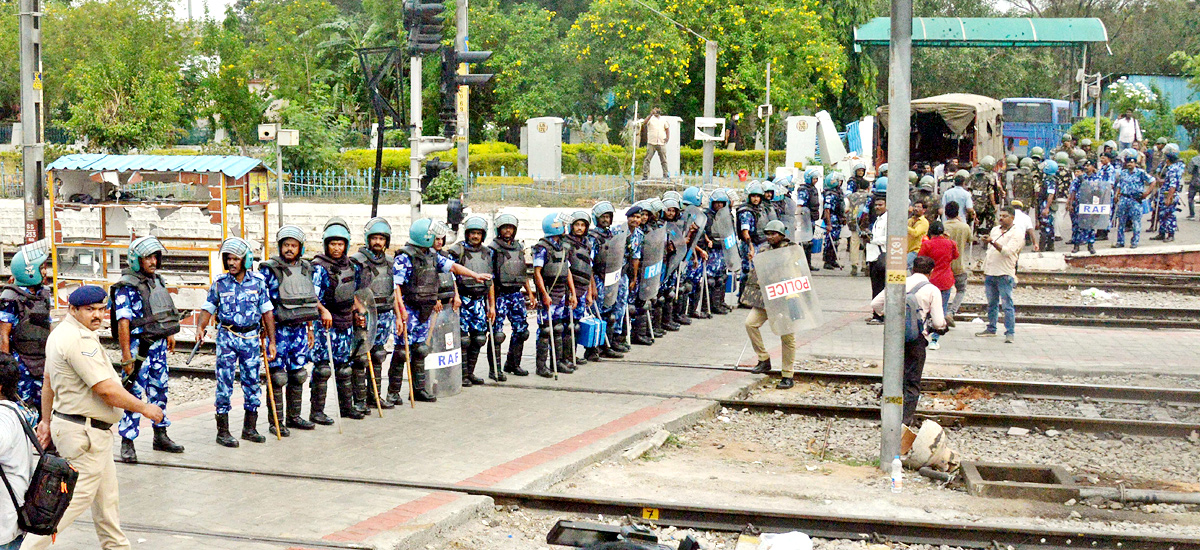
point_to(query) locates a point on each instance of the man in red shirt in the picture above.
(943, 251)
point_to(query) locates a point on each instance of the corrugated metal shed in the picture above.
(984, 32)
(232, 166)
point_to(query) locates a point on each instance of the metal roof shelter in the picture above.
(232, 166)
(988, 32)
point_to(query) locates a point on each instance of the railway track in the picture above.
(735, 519)
(1186, 283)
(1093, 316)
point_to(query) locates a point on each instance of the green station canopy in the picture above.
(987, 32)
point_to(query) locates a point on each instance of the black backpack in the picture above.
(50, 489)
(914, 324)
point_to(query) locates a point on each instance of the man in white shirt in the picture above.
(16, 453)
(876, 259)
(658, 133)
(1128, 130)
(1024, 225)
(929, 305)
(1000, 271)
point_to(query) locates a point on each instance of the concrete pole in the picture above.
(278, 172)
(414, 136)
(32, 122)
(462, 134)
(1083, 84)
(710, 104)
(899, 111)
(1096, 140)
(767, 127)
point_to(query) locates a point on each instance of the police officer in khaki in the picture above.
(82, 398)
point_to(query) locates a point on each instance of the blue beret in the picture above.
(633, 210)
(87, 295)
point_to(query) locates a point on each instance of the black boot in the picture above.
(666, 315)
(475, 343)
(541, 355)
(679, 313)
(592, 354)
(1075, 249)
(512, 362)
(345, 393)
(224, 438)
(607, 349)
(320, 389)
(249, 432)
(717, 291)
(421, 389)
(495, 368)
(640, 331)
(566, 349)
(762, 367)
(376, 399)
(396, 377)
(1091, 248)
(696, 305)
(279, 380)
(295, 399)
(360, 386)
(617, 341)
(128, 453)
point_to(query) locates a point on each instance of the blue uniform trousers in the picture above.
(242, 353)
(151, 381)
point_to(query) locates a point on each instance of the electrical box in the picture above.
(710, 129)
(289, 138)
(545, 148)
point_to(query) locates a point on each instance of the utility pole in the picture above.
(899, 111)
(462, 133)
(32, 119)
(710, 103)
(414, 135)
(766, 111)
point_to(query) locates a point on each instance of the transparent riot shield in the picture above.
(443, 365)
(804, 226)
(1095, 204)
(723, 225)
(364, 334)
(787, 215)
(787, 292)
(653, 248)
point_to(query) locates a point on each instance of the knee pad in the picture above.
(559, 328)
(279, 377)
(378, 350)
(343, 371)
(321, 373)
(420, 349)
(297, 377)
(518, 337)
(478, 339)
(499, 337)
(378, 356)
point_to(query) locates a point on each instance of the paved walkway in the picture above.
(515, 438)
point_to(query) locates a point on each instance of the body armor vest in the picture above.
(556, 270)
(377, 271)
(510, 265)
(28, 337)
(445, 292)
(297, 297)
(422, 286)
(580, 260)
(478, 260)
(339, 300)
(159, 317)
(758, 234)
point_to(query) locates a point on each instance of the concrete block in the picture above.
(1042, 261)
(1025, 481)
(1018, 431)
(642, 447)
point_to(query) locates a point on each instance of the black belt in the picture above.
(1134, 197)
(240, 329)
(83, 420)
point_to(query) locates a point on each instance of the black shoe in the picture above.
(621, 346)
(499, 376)
(383, 402)
(1157, 237)
(1091, 248)
(474, 380)
(813, 268)
(249, 431)
(283, 429)
(516, 371)
(608, 353)
(162, 442)
(565, 368)
(785, 384)
(128, 453)
(394, 398)
(682, 319)
(545, 372)
(466, 382)
(762, 367)
(320, 418)
(1075, 249)
(592, 354)
(299, 423)
(351, 413)
(224, 438)
(425, 397)
(641, 339)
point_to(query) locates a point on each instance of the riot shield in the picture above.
(677, 235)
(695, 216)
(787, 292)
(804, 226)
(364, 336)
(443, 365)
(1095, 204)
(724, 226)
(787, 215)
(653, 248)
(614, 263)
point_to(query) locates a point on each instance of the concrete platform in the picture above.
(519, 438)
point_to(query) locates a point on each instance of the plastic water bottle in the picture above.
(897, 475)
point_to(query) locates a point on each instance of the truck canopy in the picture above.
(962, 126)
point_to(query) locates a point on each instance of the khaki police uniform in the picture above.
(81, 428)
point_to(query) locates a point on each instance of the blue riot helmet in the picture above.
(378, 226)
(238, 248)
(833, 180)
(883, 169)
(142, 247)
(503, 220)
(670, 203)
(291, 232)
(811, 176)
(26, 265)
(881, 184)
(719, 196)
(336, 228)
(553, 225)
(671, 195)
(1050, 168)
(754, 188)
(475, 221)
(421, 233)
(601, 208)
(1171, 150)
(691, 197)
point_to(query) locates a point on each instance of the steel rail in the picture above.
(735, 519)
(1093, 316)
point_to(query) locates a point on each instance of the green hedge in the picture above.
(489, 158)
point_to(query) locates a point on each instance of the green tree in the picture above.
(10, 79)
(283, 47)
(120, 108)
(225, 80)
(1188, 116)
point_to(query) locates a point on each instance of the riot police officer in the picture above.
(608, 263)
(808, 198)
(239, 301)
(833, 213)
(336, 343)
(751, 221)
(292, 283)
(415, 274)
(478, 298)
(1046, 193)
(145, 321)
(513, 291)
(580, 261)
(649, 274)
(556, 292)
(25, 319)
(373, 263)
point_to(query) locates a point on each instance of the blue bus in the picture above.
(1034, 122)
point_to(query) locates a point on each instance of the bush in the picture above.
(1086, 128)
(1188, 116)
(1186, 156)
(443, 188)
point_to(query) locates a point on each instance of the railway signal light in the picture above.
(451, 80)
(423, 21)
